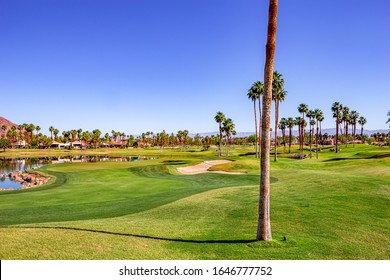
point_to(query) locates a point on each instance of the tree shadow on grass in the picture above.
(238, 241)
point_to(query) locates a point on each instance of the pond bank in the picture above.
(28, 180)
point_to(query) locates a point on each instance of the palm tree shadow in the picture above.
(239, 241)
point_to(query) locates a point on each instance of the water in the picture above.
(18, 164)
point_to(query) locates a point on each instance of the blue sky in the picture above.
(149, 65)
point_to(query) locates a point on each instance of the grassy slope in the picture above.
(333, 208)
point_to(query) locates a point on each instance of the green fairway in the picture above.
(337, 207)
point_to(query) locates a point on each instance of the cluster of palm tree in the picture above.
(278, 95)
(225, 125)
(345, 117)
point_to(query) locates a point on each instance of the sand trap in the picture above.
(204, 168)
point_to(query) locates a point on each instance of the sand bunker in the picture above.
(204, 168)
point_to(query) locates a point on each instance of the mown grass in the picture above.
(337, 207)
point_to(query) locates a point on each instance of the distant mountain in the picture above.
(7, 123)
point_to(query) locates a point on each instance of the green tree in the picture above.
(311, 115)
(228, 128)
(220, 118)
(290, 125)
(282, 126)
(96, 137)
(264, 220)
(336, 109)
(5, 143)
(254, 96)
(4, 128)
(353, 117)
(278, 95)
(319, 116)
(345, 119)
(303, 109)
(51, 129)
(362, 121)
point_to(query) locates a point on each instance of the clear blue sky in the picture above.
(149, 65)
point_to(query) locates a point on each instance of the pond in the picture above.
(9, 165)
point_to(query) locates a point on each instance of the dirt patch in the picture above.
(204, 168)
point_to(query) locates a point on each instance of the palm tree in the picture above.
(4, 128)
(220, 118)
(336, 109)
(185, 138)
(264, 220)
(37, 129)
(254, 95)
(51, 129)
(303, 109)
(55, 132)
(283, 125)
(353, 116)
(259, 87)
(311, 115)
(362, 121)
(319, 116)
(278, 95)
(96, 137)
(290, 125)
(228, 128)
(345, 119)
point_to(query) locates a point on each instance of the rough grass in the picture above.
(327, 209)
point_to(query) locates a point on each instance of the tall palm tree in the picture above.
(353, 117)
(319, 116)
(345, 119)
(311, 115)
(278, 95)
(303, 109)
(362, 121)
(259, 87)
(290, 125)
(37, 129)
(282, 126)
(228, 128)
(51, 129)
(254, 95)
(55, 132)
(336, 109)
(220, 118)
(264, 220)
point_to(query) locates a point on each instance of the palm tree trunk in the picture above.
(220, 140)
(227, 149)
(259, 138)
(337, 135)
(317, 141)
(311, 139)
(290, 140)
(257, 132)
(264, 220)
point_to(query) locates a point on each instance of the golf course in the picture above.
(334, 207)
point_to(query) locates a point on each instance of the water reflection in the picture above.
(9, 165)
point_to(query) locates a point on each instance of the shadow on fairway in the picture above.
(242, 241)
